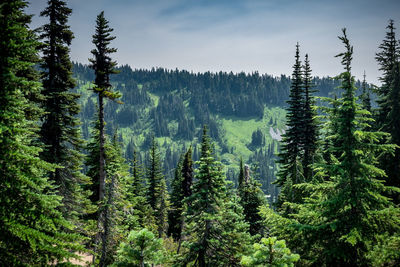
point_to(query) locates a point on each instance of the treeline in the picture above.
(338, 173)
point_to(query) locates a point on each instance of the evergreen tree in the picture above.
(141, 249)
(161, 211)
(270, 252)
(115, 201)
(251, 199)
(177, 196)
(310, 134)
(115, 198)
(139, 213)
(345, 214)
(156, 188)
(187, 173)
(387, 58)
(60, 129)
(154, 175)
(388, 101)
(215, 231)
(103, 67)
(365, 95)
(29, 210)
(291, 167)
(241, 173)
(181, 190)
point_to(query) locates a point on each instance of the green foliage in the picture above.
(251, 199)
(156, 192)
(345, 213)
(386, 251)
(139, 213)
(60, 131)
(389, 105)
(291, 167)
(175, 219)
(33, 230)
(309, 140)
(215, 230)
(270, 252)
(142, 248)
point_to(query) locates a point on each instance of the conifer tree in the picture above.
(115, 201)
(177, 196)
(187, 173)
(181, 190)
(386, 58)
(365, 95)
(154, 175)
(161, 211)
(251, 199)
(29, 210)
(103, 67)
(156, 188)
(291, 167)
(310, 134)
(389, 95)
(60, 129)
(345, 214)
(215, 228)
(241, 173)
(139, 213)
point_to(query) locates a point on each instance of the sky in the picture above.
(233, 35)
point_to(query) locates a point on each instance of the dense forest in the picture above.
(105, 165)
(173, 106)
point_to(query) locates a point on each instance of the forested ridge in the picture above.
(105, 165)
(173, 105)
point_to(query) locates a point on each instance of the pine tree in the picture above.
(139, 213)
(181, 190)
(344, 215)
(241, 173)
(60, 129)
(291, 167)
(156, 188)
(215, 230)
(116, 182)
(365, 95)
(154, 175)
(389, 96)
(177, 196)
(103, 67)
(187, 173)
(387, 59)
(251, 199)
(29, 210)
(310, 134)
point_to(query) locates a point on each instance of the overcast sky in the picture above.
(234, 35)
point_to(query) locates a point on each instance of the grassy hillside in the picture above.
(245, 115)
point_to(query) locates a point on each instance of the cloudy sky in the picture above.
(234, 35)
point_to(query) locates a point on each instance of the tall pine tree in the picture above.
(31, 225)
(216, 232)
(60, 129)
(388, 101)
(290, 157)
(345, 214)
(103, 67)
(310, 127)
(156, 188)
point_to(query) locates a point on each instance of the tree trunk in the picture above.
(102, 174)
(105, 234)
